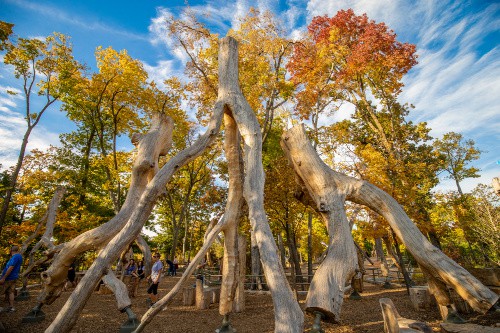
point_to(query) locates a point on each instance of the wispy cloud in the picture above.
(12, 129)
(161, 71)
(74, 19)
(13, 126)
(456, 85)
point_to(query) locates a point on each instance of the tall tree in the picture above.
(47, 70)
(106, 105)
(348, 58)
(457, 154)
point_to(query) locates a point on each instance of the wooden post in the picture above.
(202, 299)
(188, 296)
(421, 298)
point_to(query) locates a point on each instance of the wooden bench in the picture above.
(394, 323)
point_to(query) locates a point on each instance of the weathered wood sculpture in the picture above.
(288, 316)
(329, 190)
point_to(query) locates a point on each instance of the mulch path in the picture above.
(100, 314)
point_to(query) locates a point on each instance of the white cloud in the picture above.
(456, 85)
(12, 129)
(81, 22)
(161, 71)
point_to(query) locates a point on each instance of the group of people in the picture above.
(134, 273)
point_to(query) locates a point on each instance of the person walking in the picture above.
(170, 264)
(9, 276)
(155, 279)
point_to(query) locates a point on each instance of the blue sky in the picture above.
(455, 86)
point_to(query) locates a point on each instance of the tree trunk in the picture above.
(239, 299)
(404, 271)
(326, 292)
(287, 313)
(146, 254)
(153, 144)
(256, 264)
(309, 248)
(381, 256)
(118, 288)
(294, 255)
(307, 164)
(282, 250)
(230, 271)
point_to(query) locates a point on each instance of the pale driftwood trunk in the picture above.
(287, 313)
(50, 219)
(326, 292)
(230, 269)
(146, 253)
(155, 143)
(74, 305)
(118, 288)
(239, 300)
(428, 256)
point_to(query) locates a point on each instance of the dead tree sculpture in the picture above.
(329, 189)
(155, 143)
(288, 315)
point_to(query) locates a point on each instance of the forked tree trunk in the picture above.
(155, 143)
(288, 316)
(68, 315)
(309, 166)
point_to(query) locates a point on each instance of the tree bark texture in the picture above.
(230, 267)
(118, 288)
(287, 313)
(438, 265)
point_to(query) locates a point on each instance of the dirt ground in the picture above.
(101, 315)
